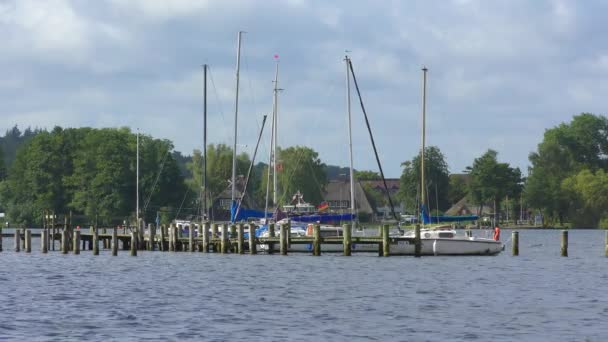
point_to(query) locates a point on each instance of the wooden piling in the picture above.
(606, 243)
(214, 230)
(133, 243)
(191, 237)
(76, 243)
(17, 240)
(161, 244)
(347, 239)
(172, 237)
(115, 242)
(232, 231)
(225, 239)
(176, 235)
(0, 238)
(64, 242)
(515, 243)
(95, 241)
(564, 245)
(105, 243)
(240, 242)
(152, 237)
(417, 242)
(386, 247)
(283, 238)
(316, 243)
(28, 241)
(205, 247)
(44, 240)
(252, 246)
(271, 233)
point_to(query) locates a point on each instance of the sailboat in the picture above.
(443, 240)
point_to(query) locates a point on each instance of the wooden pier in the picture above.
(220, 238)
(214, 238)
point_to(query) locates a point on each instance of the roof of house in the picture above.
(393, 184)
(339, 190)
(465, 207)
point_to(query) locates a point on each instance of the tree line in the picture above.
(91, 172)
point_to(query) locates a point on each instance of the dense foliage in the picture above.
(492, 181)
(90, 172)
(436, 181)
(566, 163)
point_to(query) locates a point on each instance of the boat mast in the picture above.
(350, 143)
(137, 182)
(205, 209)
(275, 121)
(236, 114)
(422, 192)
(272, 161)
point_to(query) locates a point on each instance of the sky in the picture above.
(499, 72)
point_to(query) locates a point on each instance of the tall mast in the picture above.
(137, 182)
(236, 115)
(422, 192)
(350, 142)
(205, 213)
(275, 120)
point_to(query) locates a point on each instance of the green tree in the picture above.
(492, 181)
(367, 175)
(436, 178)
(90, 172)
(219, 170)
(565, 150)
(300, 170)
(458, 188)
(588, 197)
(2, 165)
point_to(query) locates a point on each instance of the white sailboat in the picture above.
(443, 240)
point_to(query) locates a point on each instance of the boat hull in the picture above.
(428, 247)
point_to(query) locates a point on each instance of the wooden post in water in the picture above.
(271, 233)
(252, 246)
(214, 230)
(606, 243)
(191, 237)
(28, 241)
(232, 231)
(43, 240)
(115, 242)
(288, 233)
(225, 239)
(76, 243)
(171, 237)
(515, 243)
(176, 235)
(205, 247)
(386, 247)
(417, 242)
(17, 240)
(133, 243)
(105, 242)
(0, 238)
(151, 237)
(564, 247)
(64, 242)
(316, 243)
(283, 238)
(95, 241)
(240, 242)
(161, 244)
(347, 239)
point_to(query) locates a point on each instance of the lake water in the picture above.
(537, 296)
